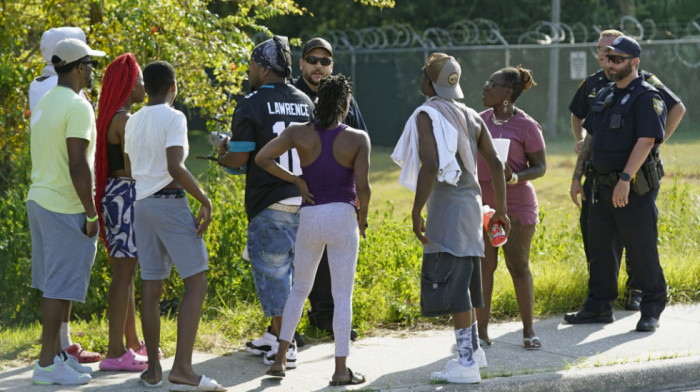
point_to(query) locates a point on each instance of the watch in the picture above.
(625, 177)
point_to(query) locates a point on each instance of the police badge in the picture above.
(658, 106)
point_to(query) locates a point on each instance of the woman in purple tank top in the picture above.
(335, 190)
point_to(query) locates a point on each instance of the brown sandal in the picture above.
(355, 378)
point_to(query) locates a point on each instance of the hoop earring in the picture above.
(505, 106)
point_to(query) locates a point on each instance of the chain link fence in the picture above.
(385, 65)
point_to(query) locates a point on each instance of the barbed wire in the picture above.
(481, 31)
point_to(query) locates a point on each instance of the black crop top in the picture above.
(115, 157)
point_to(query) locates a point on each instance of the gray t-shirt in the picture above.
(454, 223)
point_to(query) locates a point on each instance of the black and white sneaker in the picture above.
(267, 342)
(269, 358)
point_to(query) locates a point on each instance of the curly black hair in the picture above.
(333, 94)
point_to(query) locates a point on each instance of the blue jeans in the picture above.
(271, 238)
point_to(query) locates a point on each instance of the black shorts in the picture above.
(450, 284)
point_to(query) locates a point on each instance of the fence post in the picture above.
(551, 129)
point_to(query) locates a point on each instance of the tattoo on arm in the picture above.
(583, 156)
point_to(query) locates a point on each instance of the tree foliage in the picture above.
(208, 51)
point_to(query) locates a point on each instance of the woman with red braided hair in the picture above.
(122, 86)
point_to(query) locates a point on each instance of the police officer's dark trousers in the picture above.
(634, 227)
(583, 221)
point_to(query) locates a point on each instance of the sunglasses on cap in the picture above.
(616, 59)
(313, 60)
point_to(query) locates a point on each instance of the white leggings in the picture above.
(332, 225)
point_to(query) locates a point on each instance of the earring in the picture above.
(505, 103)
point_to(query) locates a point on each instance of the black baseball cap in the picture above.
(314, 43)
(626, 45)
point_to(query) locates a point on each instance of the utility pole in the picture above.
(552, 106)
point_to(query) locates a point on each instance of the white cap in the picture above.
(70, 49)
(51, 37)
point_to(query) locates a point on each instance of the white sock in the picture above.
(64, 335)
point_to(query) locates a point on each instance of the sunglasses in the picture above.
(615, 59)
(91, 62)
(490, 83)
(313, 60)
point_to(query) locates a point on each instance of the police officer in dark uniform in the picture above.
(580, 106)
(315, 64)
(627, 121)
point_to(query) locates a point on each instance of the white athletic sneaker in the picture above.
(75, 365)
(59, 373)
(269, 358)
(455, 372)
(480, 358)
(261, 346)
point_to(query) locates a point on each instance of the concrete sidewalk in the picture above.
(589, 357)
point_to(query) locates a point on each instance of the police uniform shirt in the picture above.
(587, 90)
(260, 117)
(354, 117)
(620, 116)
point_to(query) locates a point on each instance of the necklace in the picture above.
(501, 122)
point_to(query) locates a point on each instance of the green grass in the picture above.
(680, 160)
(387, 280)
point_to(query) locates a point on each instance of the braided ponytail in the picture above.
(333, 94)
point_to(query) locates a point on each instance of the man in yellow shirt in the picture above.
(60, 206)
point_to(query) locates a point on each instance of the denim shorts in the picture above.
(450, 284)
(62, 255)
(271, 238)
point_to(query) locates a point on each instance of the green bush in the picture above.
(18, 301)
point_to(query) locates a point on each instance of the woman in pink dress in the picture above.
(526, 161)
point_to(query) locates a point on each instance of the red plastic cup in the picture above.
(497, 234)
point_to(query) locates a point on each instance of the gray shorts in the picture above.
(62, 255)
(450, 284)
(167, 235)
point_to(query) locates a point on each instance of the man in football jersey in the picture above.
(316, 63)
(272, 205)
(579, 107)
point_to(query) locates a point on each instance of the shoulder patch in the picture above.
(654, 81)
(581, 84)
(658, 105)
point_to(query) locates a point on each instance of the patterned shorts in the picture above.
(118, 214)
